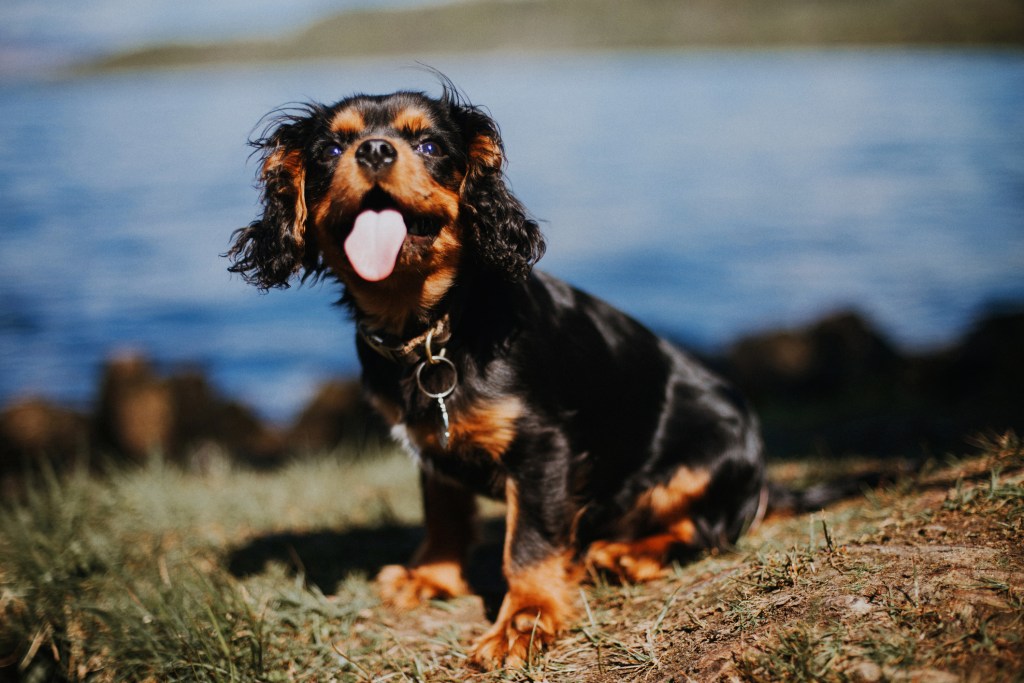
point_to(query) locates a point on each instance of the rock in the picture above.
(986, 365)
(251, 441)
(135, 414)
(202, 416)
(336, 413)
(833, 356)
(34, 429)
(141, 414)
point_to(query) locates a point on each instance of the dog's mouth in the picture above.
(380, 230)
(417, 224)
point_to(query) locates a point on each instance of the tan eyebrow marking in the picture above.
(411, 120)
(348, 121)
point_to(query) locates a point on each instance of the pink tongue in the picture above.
(373, 245)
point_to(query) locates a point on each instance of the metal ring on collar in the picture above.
(435, 360)
(431, 358)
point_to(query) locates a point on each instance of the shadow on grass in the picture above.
(326, 558)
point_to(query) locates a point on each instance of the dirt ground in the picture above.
(159, 575)
(920, 580)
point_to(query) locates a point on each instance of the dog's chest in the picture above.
(479, 428)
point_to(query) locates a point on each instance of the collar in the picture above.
(411, 351)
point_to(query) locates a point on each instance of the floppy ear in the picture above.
(503, 236)
(275, 246)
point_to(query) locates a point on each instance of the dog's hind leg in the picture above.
(659, 523)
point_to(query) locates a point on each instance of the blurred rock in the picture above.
(140, 413)
(251, 441)
(336, 414)
(33, 430)
(833, 387)
(988, 364)
(202, 416)
(327, 419)
(825, 359)
(838, 387)
(135, 415)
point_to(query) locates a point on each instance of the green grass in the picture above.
(131, 571)
(155, 574)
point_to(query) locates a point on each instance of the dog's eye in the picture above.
(429, 148)
(332, 151)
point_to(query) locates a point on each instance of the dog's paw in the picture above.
(408, 587)
(629, 562)
(513, 640)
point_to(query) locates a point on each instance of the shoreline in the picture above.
(835, 386)
(570, 26)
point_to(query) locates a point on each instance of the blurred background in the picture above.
(720, 170)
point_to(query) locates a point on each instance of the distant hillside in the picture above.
(483, 25)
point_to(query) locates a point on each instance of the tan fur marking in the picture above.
(636, 561)
(511, 519)
(684, 531)
(548, 584)
(289, 161)
(667, 502)
(423, 274)
(539, 603)
(348, 122)
(489, 426)
(437, 568)
(414, 188)
(408, 587)
(485, 152)
(643, 559)
(412, 120)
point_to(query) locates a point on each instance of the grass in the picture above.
(155, 574)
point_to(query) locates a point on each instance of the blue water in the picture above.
(37, 36)
(710, 194)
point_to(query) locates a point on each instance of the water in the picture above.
(39, 35)
(710, 194)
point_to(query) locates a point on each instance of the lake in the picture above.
(710, 194)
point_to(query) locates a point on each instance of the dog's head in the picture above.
(393, 194)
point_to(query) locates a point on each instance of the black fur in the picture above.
(601, 431)
(504, 237)
(266, 252)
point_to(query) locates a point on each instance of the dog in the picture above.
(614, 451)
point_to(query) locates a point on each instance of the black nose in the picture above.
(376, 154)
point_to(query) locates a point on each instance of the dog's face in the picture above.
(396, 195)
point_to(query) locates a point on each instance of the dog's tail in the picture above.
(785, 499)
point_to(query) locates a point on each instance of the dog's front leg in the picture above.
(437, 568)
(541, 581)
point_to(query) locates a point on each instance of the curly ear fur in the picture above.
(501, 233)
(275, 246)
(271, 249)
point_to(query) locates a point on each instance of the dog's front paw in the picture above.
(408, 587)
(513, 640)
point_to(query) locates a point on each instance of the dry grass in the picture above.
(157, 575)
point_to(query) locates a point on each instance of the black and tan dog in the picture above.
(611, 448)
